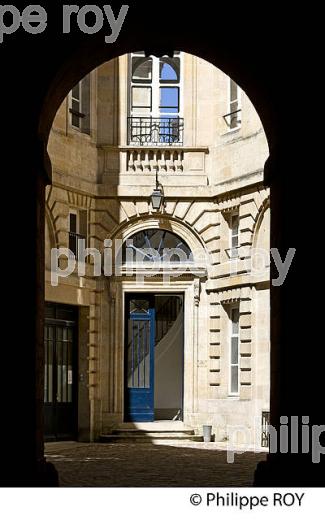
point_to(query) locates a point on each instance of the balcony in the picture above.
(154, 146)
(151, 160)
(151, 131)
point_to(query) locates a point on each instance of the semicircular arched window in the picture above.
(155, 245)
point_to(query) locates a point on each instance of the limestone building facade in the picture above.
(185, 341)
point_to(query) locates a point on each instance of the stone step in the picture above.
(155, 426)
(145, 438)
(149, 431)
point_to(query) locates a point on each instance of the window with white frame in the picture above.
(155, 99)
(234, 350)
(77, 229)
(80, 105)
(234, 235)
(233, 117)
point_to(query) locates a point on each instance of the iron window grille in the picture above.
(144, 131)
(233, 252)
(265, 441)
(73, 243)
(233, 119)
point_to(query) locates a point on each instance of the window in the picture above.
(234, 351)
(234, 236)
(233, 117)
(155, 245)
(80, 105)
(77, 229)
(155, 100)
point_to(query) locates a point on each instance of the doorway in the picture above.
(154, 357)
(60, 388)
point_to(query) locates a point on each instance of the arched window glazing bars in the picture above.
(156, 245)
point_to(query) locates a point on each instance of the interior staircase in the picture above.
(167, 311)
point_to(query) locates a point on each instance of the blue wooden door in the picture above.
(140, 343)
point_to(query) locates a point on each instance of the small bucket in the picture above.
(207, 431)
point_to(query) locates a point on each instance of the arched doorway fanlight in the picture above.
(156, 245)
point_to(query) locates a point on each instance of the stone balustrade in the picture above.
(162, 160)
(129, 160)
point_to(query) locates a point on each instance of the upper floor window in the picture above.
(77, 229)
(80, 105)
(155, 100)
(233, 117)
(234, 235)
(234, 351)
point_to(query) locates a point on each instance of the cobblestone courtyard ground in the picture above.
(149, 465)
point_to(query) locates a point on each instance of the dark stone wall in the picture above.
(83, 364)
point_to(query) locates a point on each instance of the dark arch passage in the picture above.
(37, 74)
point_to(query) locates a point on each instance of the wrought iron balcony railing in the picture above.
(144, 131)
